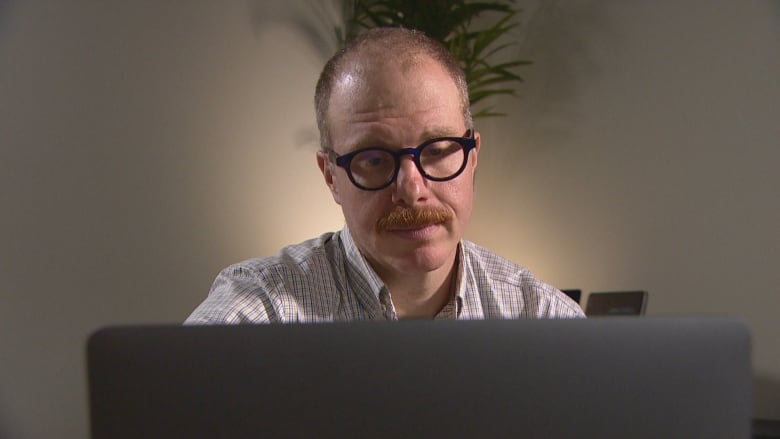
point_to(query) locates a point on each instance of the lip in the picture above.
(416, 233)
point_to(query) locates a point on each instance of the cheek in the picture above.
(344, 189)
(361, 208)
(459, 196)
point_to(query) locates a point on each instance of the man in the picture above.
(398, 152)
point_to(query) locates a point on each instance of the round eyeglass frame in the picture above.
(344, 161)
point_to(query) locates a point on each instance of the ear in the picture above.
(326, 167)
(475, 152)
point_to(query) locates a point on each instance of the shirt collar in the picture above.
(359, 265)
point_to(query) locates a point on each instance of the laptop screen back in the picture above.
(619, 377)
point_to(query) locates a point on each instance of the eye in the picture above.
(440, 149)
(372, 159)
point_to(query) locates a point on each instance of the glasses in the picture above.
(439, 159)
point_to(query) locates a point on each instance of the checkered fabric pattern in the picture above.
(327, 279)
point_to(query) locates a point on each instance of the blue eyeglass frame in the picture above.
(468, 143)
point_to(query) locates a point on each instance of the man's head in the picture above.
(375, 44)
(394, 89)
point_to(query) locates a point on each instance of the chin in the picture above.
(423, 259)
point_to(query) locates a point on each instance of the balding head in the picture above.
(374, 49)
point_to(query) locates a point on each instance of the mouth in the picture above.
(415, 232)
(412, 226)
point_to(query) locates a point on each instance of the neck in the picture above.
(421, 295)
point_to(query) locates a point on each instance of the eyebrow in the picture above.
(430, 133)
(440, 132)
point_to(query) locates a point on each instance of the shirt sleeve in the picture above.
(239, 295)
(543, 301)
(561, 306)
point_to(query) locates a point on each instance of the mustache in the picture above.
(410, 218)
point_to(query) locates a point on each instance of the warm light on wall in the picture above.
(266, 190)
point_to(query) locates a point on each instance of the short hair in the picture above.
(390, 43)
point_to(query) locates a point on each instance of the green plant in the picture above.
(453, 23)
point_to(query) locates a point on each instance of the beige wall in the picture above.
(143, 146)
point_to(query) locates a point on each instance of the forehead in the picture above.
(399, 100)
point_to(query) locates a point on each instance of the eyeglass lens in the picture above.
(438, 160)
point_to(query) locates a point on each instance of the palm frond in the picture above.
(450, 22)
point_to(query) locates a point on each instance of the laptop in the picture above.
(596, 378)
(574, 294)
(616, 303)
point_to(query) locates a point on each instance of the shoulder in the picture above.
(497, 270)
(307, 258)
(314, 257)
(513, 288)
(275, 288)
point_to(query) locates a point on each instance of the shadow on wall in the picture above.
(562, 39)
(766, 395)
(315, 20)
(777, 16)
(5, 11)
(5, 433)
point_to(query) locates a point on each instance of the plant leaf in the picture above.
(451, 22)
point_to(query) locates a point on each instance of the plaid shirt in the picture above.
(327, 279)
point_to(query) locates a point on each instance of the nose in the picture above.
(410, 186)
